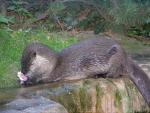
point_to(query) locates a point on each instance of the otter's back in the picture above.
(90, 56)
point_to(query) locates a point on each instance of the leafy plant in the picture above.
(93, 22)
(116, 14)
(17, 6)
(5, 20)
(54, 9)
(143, 31)
(22, 14)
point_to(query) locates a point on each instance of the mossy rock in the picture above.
(93, 96)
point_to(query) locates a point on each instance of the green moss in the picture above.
(70, 104)
(85, 100)
(69, 100)
(76, 101)
(130, 90)
(118, 99)
(99, 95)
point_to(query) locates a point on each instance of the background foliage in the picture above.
(131, 17)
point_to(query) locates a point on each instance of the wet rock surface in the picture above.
(144, 64)
(92, 95)
(33, 105)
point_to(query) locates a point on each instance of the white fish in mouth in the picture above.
(21, 76)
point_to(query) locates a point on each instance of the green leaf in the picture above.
(56, 6)
(6, 20)
(3, 19)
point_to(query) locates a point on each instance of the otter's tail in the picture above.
(141, 80)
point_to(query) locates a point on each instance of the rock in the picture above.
(93, 96)
(33, 105)
(145, 65)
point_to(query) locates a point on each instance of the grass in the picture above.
(12, 44)
(133, 46)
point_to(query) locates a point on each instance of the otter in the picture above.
(94, 57)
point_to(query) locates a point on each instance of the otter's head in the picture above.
(37, 63)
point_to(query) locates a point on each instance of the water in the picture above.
(9, 94)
